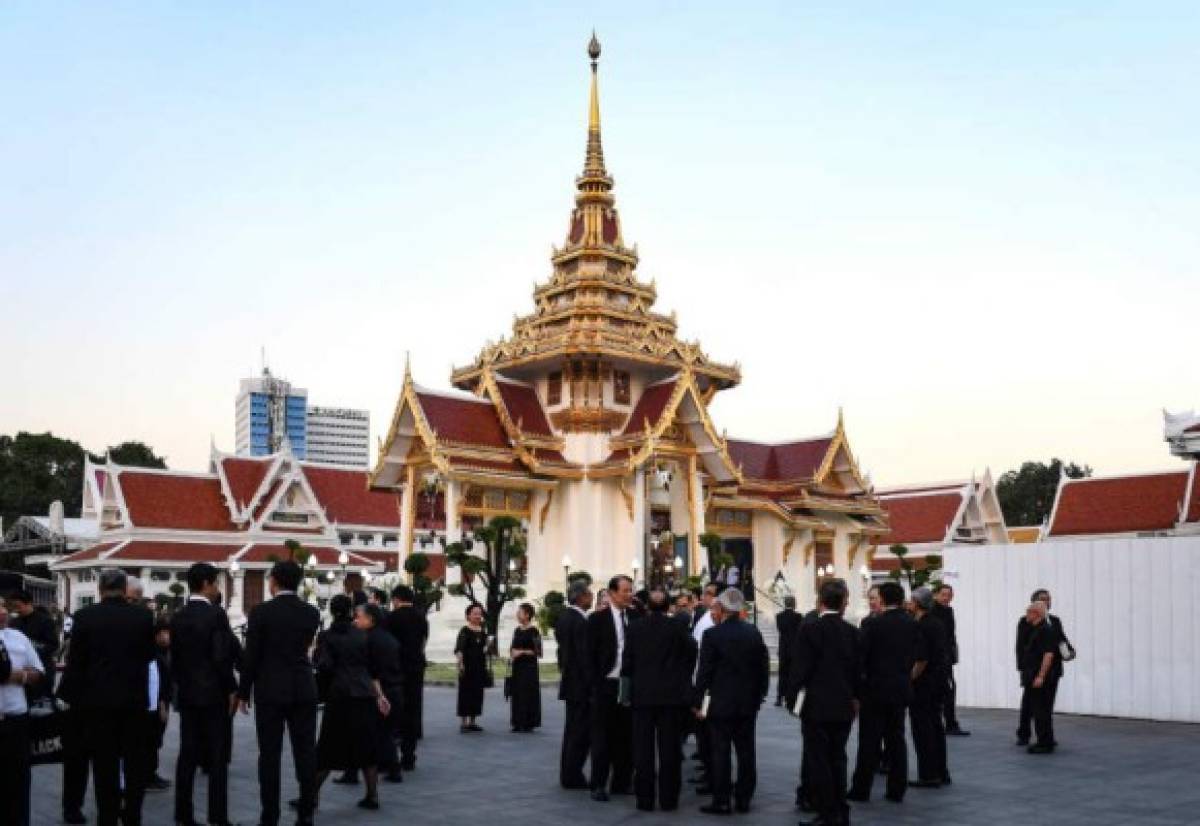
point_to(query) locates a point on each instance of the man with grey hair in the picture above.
(929, 683)
(134, 590)
(1041, 668)
(735, 674)
(574, 689)
(107, 680)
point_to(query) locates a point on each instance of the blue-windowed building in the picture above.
(269, 411)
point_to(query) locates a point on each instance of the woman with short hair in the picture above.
(525, 651)
(470, 649)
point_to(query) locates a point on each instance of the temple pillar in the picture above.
(453, 526)
(696, 511)
(408, 513)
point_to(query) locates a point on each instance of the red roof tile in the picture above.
(780, 462)
(181, 552)
(244, 477)
(466, 421)
(1122, 504)
(389, 559)
(524, 408)
(650, 406)
(164, 500)
(87, 554)
(1193, 429)
(348, 501)
(920, 518)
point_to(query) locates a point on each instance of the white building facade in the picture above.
(339, 436)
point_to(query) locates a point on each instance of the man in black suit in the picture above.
(203, 649)
(658, 661)
(1041, 669)
(942, 598)
(277, 669)
(411, 630)
(787, 623)
(929, 682)
(825, 666)
(575, 685)
(887, 647)
(612, 722)
(36, 624)
(735, 674)
(1024, 631)
(107, 680)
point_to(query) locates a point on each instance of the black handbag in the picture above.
(45, 734)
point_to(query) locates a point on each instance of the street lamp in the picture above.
(566, 563)
(637, 566)
(679, 563)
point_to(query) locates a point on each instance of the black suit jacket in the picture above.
(659, 658)
(945, 613)
(108, 665)
(932, 649)
(602, 643)
(825, 665)
(787, 623)
(735, 669)
(42, 632)
(570, 632)
(411, 629)
(888, 646)
(276, 664)
(1023, 633)
(203, 653)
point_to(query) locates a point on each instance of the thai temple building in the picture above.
(237, 516)
(929, 517)
(591, 424)
(1162, 503)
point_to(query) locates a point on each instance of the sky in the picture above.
(972, 226)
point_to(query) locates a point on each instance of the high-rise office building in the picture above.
(339, 436)
(269, 410)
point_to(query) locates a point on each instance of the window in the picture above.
(554, 389)
(160, 576)
(87, 575)
(367, 538)
(86, 601)
(822, 560)
(621, 387)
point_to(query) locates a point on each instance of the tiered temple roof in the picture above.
(1130, 504)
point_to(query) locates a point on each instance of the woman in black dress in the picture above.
(471, 651)
(353, 702)
(525, 651)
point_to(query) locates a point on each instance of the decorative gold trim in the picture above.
(627, 496)
(545, 510)
(787, 548)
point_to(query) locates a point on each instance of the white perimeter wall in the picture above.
(1130, 606)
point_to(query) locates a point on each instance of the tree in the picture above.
(428, 594)
(39, 468)
(717, 558)
(487, 579)
(907, 572)
(135, 454)
(1027, 495)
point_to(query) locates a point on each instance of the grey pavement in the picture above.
(1106, 772)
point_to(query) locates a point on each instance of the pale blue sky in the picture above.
(974, 225)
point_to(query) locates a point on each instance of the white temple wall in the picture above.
(1128, 605)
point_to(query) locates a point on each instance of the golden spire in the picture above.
(593, 166)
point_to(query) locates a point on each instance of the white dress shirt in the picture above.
(619, 624)
(22, 655)
(703, 624)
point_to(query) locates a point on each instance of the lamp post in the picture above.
(637, 566)
(566, 565)
(679, 565)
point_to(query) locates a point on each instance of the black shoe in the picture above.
(741, 807)
(394, 776)
(599, 795)
(645, 807)
(717, 809)
(803, 804)
(669, 807)
(924, 784)
(858, 797)
(475, 728)
(1041, 748)
(894, 798)
(778, 702)
(1022, 741)
(347, 779)
(946, 781)
(408, 765)
(74, 816)
(369, 803)
(957, 732)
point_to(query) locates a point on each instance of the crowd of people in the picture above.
(640, 674)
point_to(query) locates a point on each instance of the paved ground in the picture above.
(1106, 772)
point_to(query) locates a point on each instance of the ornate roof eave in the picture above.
(501, 480)
(863, 507)
(793, 520)
(839, 442)
(421, 430)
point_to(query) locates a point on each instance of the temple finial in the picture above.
(594, 162)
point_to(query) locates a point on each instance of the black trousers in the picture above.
(389, 756)
(825, 751)
(1024, 724)
(929, 736)
(656, 732)
(1041, 710)
(76, 760)
(14, 770)
(612, 739)
(732, 734)
(144, 763)
(576, 742)
(114, 736)
(202, 734)
(785, 663)
(880, 730)
(301, 722)
(950, 694)
(410, 716)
